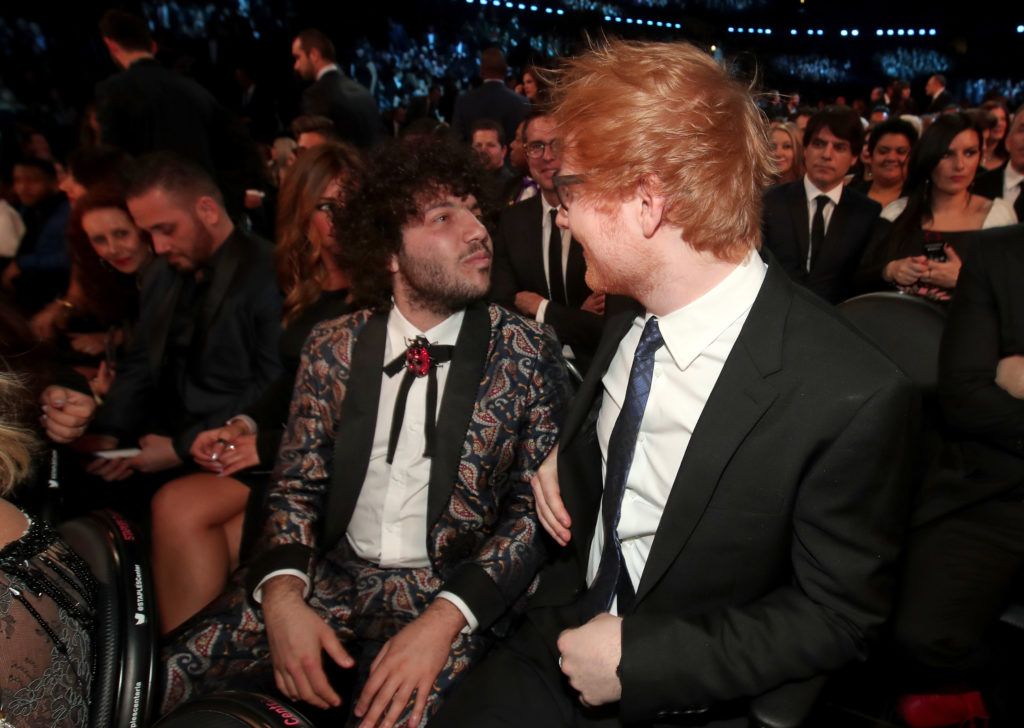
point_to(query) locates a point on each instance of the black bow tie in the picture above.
(420, 359)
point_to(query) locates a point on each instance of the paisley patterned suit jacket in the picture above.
(499, 417)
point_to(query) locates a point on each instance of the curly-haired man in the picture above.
(401, 528)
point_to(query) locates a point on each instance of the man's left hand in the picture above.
(157, 454)
(409, 662)
(528, 302)
(1010, 375)
(590, 659)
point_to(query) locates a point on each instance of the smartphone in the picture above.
(127, 452)
(935, 251)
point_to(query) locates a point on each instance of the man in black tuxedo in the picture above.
(344, 101)
(816, 227)
(732, 466)
(966, 548)
(492, 100)
(1006, 182)
(206, 344)
(148, 108)
(529, 246)
(939, 99)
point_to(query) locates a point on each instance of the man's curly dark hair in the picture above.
(403, 176)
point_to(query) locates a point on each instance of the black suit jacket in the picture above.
(519, 266)
(984, 455)
(148, 108)
(990, 183)
(940, 102)
(773, 560)
(233, 356)
(348, 104)
(786, 228)
(493, 100)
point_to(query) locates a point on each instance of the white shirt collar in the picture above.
(544, 205)
(401, 331)
(1012, 178)
(835, 194)
(689, 330)
(327, 69)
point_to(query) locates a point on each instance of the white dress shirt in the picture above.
(698, 339)
(1011, 184)
(812, 192)
(389, 523)
(545, 240)
(327, 69)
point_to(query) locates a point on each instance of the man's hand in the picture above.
(590, 658)
(594, 303)
(108, 469)
(528, 302)
(297, 637)
(547, 495)
(66, 413)
(409, 662)
(1010, 375)
(157, 454)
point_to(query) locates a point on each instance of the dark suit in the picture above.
(773, 560)
(786, 226)
(499, 417)
(231, 355)
(519, 266)
(348, 104)
(148, 108)
(940, 103)
(967, 548)
(494, 101)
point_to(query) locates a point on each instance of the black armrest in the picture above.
(787, 706)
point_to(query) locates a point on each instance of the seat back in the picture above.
(234, 709)
(125, 640)
(906, 327)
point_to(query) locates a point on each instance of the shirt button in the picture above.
(641, 439)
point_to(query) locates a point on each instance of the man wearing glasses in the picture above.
(730, 487)
(538, 266)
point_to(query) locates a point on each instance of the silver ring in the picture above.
(559, 662)
(230, 446)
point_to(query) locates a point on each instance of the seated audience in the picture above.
(816, 227)
(787, 151)
(525, 186)
(48, 607)
(40, 269)
(995, 155)
(535, 88)
(966, 548)
(888, 149)
(198, 519)
(1005, 182)
(488, 141)
(312, 131)
(209, 322)
(399, 546)
(934, 223)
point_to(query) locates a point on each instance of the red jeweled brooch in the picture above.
(417, 358)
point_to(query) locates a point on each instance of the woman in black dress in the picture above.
(198, 520)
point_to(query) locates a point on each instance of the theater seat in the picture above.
(234, 709)
(125, 640)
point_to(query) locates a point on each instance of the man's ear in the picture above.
(393, 264)
(652, 205)
(208, 211)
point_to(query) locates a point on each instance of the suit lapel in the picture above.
(457, 403)
(739, 399)
(354, 436)
(222, 277)
(836, 228)
(801, 222)
(157, 336)
(575, 271)
(533, 248)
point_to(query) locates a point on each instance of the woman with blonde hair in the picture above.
(198, 519)
(787, 151)
(47, 596)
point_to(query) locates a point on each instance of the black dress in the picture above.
(47, 602)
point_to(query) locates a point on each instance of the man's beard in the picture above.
(432, 287)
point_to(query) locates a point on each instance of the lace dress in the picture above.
(47, 601)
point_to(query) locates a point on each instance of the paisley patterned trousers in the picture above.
(225, 646)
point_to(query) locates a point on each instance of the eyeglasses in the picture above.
(563, 188)
(535, 150)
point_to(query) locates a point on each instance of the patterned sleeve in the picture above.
(505, 563)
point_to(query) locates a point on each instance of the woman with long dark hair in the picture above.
(934, 223)
(198, 519)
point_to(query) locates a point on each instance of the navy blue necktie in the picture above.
(612, 578)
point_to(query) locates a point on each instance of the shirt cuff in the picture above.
(257, 593)
(541, 308)
(471, 623)
(247, 421)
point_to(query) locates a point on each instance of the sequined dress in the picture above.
(47, 603)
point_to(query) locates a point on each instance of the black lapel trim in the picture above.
(575, 275)
(354, 435)
(157, 336)
(457, 403)
(797, 202)
(221, 282)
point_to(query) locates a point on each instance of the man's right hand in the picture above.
(297, 636)
(548, 496)
(66, 413)
(594, 303)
